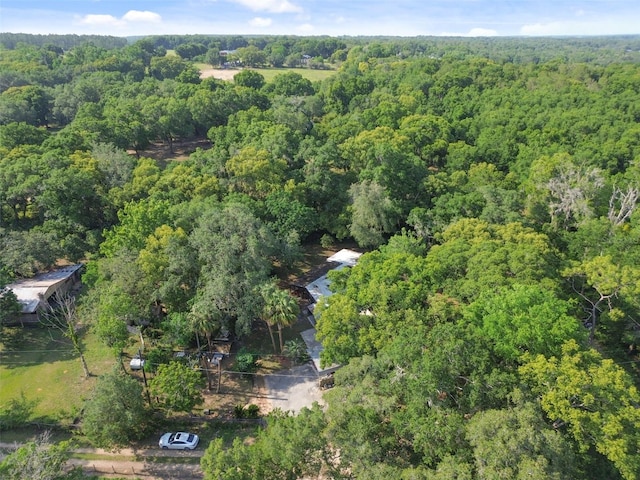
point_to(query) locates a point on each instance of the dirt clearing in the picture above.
(219, 73)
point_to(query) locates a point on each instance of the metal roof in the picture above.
(320, 286)
(31, 291)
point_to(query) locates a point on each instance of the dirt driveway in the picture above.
(293, 389)
(143, 464)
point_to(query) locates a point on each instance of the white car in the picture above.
(179, 441)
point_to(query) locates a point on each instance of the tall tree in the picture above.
(115, 414)
(516, 443)
(9, 305)
(525, 318)
(289, 447)
(373, 214)
(280, 309)
(234, 250)
(40, 459)
(595, 398)
(267, 291)
(599, 282)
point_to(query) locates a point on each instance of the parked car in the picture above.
(136, 363)
(179, 441)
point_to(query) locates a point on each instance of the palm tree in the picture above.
(203, 323)
(267, 292)
(286, 310)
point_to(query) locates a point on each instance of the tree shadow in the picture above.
(33, 345)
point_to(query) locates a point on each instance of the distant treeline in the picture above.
(600, 50)
(11, 40)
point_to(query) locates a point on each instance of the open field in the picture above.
(268, 73)
(40, 363)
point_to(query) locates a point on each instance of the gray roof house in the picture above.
(34, 293)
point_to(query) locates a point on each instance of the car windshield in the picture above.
(190, 438)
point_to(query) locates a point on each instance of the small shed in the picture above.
(34, 293)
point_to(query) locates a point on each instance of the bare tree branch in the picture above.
(62, 316)
(622, 205)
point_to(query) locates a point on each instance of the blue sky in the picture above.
(322, 17)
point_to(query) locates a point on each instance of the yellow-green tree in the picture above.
(595, 398)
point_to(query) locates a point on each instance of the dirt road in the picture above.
(290, 390)
(151, 464)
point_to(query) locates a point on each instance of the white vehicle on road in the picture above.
(179, 441)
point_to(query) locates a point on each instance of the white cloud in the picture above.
(100, 20)
(600, 26)
(129, 18)
(272, 6)
(474, 32)
(141, 16)
(554, 28)
(482, 32)
(305, 28)
(260, 22)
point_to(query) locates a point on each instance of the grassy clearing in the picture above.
(40, 364)
(29, 434)
(313, 75)
(270, 73)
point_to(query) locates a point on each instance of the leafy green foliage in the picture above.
(251, 411)
(245, 361)
(40, 460)
(234, 249)
(595, 398)
(487, 174)
(296, 350)
(16, 413)
(115, 414)
(177, 386)
(290, 447)
(525, 319)
(517, 443)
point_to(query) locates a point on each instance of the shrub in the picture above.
(249, 411)
(16, 413)
(155, 357)
(245, 361)
(252, 411)
(296, 351)
(238, 411)
(327, 241)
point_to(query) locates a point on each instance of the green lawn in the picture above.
(41, 364)
(314, 75)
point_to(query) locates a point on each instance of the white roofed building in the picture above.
(319, 288)
(34, 293)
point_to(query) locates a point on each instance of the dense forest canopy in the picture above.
(489, 331)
